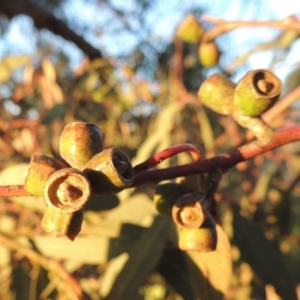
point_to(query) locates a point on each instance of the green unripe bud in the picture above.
(190, 30)
(40, 168)
(209, 54)
(256, 92)
(216, 92)
(79, 142)
(167, 194)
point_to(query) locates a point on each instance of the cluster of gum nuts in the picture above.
(68, 184)
(86, 168)
(190, 212)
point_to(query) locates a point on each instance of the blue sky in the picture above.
(162, 21)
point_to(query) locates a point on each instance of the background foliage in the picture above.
(139, 88)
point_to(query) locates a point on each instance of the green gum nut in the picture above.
(256, 92)
(167, 194)
(202, 239)
(216, 92)
(40, 169)
(109, 172)
(209, 54)
(79, 142)
(190, 30)
(61, 223)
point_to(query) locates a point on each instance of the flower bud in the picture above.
(216, 92)
(209, 54)
(79, 142)
(190, 30)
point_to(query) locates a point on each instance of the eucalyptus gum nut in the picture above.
(216, 92)
(257, 92)
(79, 142)
(190, 30)
(189, 210)
(61, 223)
(202, 239)
(67, 190)
(40, 169)
(209, 54)
(167, 194)
(109, 172)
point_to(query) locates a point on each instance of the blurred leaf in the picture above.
(14, 174)
(163, 125)
(91, 81)
(263, 182)
(10, 63)
(138, 210)
(49, 70)
(206, 131)
(5, 269)
(99, 94)
(143, 258)
(21, 280)
(292, 81)
(108, 241)
(216, 267)
(98, 203)
(262, 256)
(58, 111)
(173, 266)
(92, 249)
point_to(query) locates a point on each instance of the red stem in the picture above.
(167, 153)
(226, 160)
(13, 191)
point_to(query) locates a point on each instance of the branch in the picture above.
(290, 23)
(48, 264)
(167, 153)
(46, 20)
(226, 160)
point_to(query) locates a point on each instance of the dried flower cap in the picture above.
(109, 172)
(67, 190)
(79, 142)
(40, 168)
